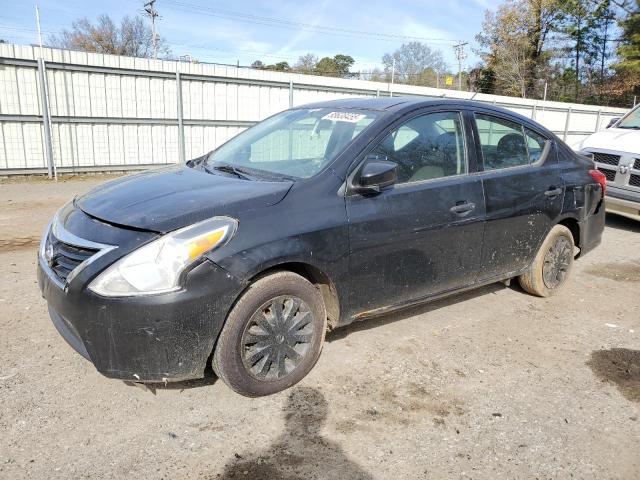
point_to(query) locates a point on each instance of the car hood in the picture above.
(169, 198)
(617, 139)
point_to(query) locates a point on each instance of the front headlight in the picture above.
(157, 266)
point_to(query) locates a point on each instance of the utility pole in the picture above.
(38, 24)
(152, 13)
(46, 115)
(460, 56)
(393, 76)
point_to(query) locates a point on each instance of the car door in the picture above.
(523, 190)
(423, 235)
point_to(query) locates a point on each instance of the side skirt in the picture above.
(429, 298)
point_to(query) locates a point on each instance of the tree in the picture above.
(603, 31)
(578, 22)
(514, 44)
(278, 67)
(567, 45)
(133, 37)
(507, 49)
(415, 63)
(629, 50)
(306, 64)
(338, 66)
(376, 75)
(258, 65)
(483, 79)
(541, 17)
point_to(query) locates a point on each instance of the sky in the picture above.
(226, 31)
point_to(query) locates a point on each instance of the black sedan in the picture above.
(314, 218)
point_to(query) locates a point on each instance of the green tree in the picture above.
(629, 50)
(338, 66)
(604, 24)
(483, 79)
(279, 67)
(541, 18)
(578, 24)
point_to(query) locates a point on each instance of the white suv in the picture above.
(616, 152)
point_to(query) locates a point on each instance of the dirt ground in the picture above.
(489, 384)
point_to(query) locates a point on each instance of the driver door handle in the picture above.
(463, 208)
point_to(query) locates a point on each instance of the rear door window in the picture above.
(536, 145)
(503, 142)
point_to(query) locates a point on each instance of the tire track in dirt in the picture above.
(19, 243)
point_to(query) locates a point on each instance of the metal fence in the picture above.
(77, 112)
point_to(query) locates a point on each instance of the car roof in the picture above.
(400, 105)
(390, 103)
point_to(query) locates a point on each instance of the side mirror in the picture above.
(377, 174)
(613, 121)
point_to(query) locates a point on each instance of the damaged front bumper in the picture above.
(155, 338)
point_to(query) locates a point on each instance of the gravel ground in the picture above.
(489, 384)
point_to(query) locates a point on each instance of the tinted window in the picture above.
(426, 147)
(503, 142)
(535, 144)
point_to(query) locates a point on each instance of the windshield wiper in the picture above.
(226, 168)
(630, 127)
(247, 173)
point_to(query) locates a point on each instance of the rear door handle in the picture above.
(463, 208)
(553, 192)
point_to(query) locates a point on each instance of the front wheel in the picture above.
(272, 337)
(550, 269)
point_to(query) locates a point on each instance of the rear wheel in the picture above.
(272, 337)
(550, 269)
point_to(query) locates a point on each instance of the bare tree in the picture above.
(415, 63)
(306, 64)
(507, 49)
(375, 75)
(133, 37)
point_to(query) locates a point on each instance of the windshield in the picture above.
(295, 143)
(632, 120)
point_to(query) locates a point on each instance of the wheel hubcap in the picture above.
(277, 338)
(556, 262)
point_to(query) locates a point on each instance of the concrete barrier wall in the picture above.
(112, 112)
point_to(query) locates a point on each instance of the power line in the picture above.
(360, 73)
(290, 24)
(203, 46)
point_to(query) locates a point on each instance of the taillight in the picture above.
(599, 177)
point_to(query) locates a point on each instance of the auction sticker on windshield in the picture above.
(344, 117)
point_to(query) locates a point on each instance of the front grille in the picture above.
(610, 174)
(606, 158)
(66, 257)
(636, 164)
(634, 181)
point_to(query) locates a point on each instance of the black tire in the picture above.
(290, 341)
(550, 269)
